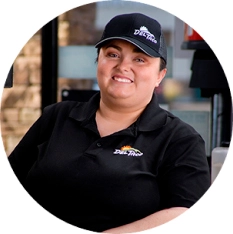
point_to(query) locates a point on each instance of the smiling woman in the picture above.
(127, 74)
(117, 163)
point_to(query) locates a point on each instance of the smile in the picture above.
(122, 80)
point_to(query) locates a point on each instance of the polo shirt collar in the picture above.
(84, 111)
(152, 118)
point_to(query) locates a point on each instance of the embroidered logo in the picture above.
(129, 151)
(144, 32)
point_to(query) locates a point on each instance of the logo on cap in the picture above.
(144, 32)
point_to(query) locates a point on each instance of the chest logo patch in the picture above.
(129, 151)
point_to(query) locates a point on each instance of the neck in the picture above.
(115, 112)
(111, 118)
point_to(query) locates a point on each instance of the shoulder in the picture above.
(60, 107)
(59, 110)
(178, 124)
(179, 130)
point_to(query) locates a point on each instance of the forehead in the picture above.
(120, 44)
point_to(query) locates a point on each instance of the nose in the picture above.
(124, 64)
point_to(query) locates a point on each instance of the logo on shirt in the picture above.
(144, 32)
(129, 151)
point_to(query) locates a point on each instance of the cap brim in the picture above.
(146, 49)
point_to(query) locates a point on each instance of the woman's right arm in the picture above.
(25, 153)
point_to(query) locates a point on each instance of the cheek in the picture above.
(102, 73)
(154, 77)
(149, 78)
(100, 70)
(102, 66)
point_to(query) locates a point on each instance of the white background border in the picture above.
(19, 20)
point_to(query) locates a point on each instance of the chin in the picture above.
(120, 95)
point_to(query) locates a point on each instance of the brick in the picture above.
(22, 96)
(11, 142)
(32, 97)
(28, 115)
(82, 29)
(35, 70)
(63, 33)
(33, 46)
(16, 128)
(10, 114)
(62, 17)
(21, 70)
(12, 96)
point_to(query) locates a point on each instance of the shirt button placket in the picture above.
(98, 144)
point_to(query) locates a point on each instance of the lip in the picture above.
(122, 79)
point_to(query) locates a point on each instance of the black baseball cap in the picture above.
(140, 30)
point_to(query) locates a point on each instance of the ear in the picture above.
(160, 77)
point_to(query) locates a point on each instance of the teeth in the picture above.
(122, 80)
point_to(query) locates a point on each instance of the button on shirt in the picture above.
(99, 183)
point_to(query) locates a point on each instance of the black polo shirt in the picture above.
(97, 183)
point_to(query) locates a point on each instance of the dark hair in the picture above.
(162, 61)
(163, 64)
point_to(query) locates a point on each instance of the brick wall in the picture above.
(20, 105)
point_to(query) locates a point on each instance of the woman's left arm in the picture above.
(150, 221)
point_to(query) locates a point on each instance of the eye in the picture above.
(112, 55)
(140, 60)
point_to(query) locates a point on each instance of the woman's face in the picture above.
(125, 73)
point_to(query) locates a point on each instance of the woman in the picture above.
(117, 163)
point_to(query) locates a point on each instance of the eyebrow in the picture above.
(114, 46)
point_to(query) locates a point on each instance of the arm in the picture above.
(150, 221)
(183, 179)
(25, 153)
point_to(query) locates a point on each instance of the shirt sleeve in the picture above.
(184, 174)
